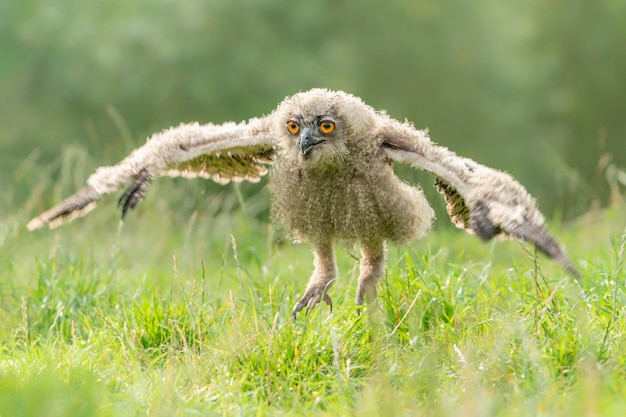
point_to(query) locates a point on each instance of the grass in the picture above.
(184, 310)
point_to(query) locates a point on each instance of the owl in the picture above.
(330, 159)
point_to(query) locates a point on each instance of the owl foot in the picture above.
(311, 297)
(365, 291)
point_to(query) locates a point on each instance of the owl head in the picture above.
(321, 125)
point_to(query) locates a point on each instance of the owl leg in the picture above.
(324, 275)
(373, 257)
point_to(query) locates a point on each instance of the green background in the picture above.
(535, 88)
(185, 308)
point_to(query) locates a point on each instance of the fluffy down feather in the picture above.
(331, 179)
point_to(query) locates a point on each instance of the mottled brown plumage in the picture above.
(331, 179)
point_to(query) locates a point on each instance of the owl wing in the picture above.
(223, 153)
(481, 200)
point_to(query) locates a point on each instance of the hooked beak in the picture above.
(308, 142)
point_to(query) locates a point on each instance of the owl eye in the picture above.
(327, 126)
(293, 127)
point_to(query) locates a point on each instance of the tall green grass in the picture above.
(184, 310)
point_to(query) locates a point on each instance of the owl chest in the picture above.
(346, 203)
(334, 193)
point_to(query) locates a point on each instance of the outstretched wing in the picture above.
(481, 200)
(220, 152)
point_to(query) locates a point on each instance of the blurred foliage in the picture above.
(535, 88)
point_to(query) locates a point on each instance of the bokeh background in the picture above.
(536, 88)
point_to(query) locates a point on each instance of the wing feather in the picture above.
(240, 164)
(225, 152)
(479, 199)
(75, 206)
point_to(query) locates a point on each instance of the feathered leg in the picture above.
(324, 275)
(374, 255)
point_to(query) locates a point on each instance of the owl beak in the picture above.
(308, 142)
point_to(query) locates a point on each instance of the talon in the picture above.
(296, 309)
(359, 306)
(359, 299)
(328, 302)
(315, 298)
(310, 300)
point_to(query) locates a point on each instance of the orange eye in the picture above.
(293, 127)
(327, 126)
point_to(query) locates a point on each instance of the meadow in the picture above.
(184, 309)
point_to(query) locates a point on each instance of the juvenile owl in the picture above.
(331, 179)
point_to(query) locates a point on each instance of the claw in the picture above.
(363, 295)
(296, 309)
(310, 300)
(359, 304)
(313, 302)
(328, 302)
